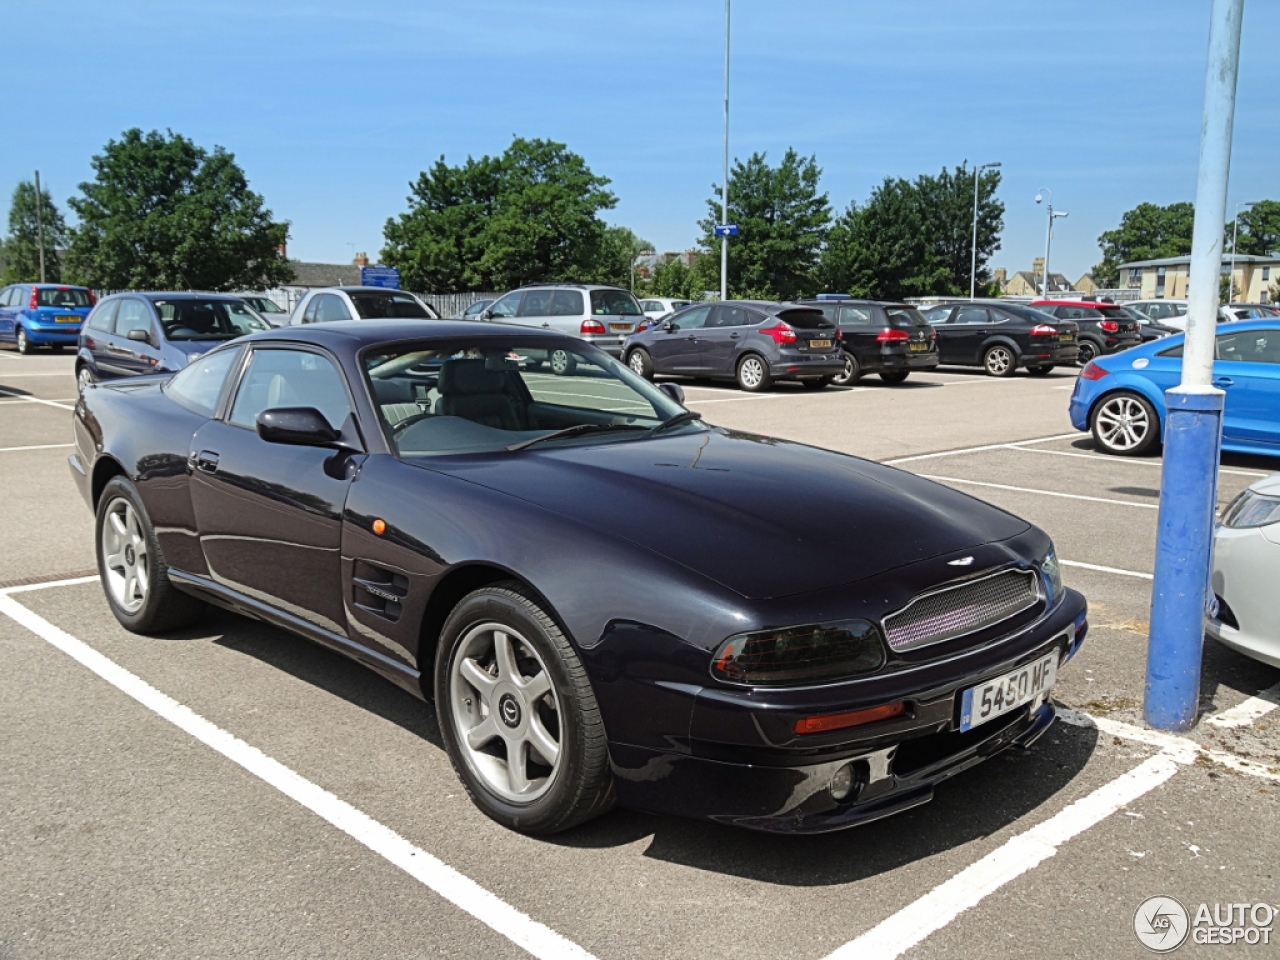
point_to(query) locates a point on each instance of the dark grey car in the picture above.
(750, 341)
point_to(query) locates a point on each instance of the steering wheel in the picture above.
(405, 424)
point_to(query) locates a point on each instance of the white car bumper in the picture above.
(1246, 574)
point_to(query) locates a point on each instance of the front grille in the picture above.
(962, 609)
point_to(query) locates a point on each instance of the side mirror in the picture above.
(668, 326)
(674, 391)
(139, 336)
(297, 426)
(485, 314)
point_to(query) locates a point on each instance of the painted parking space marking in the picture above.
(1244, 714)
(17, 399)
(1042, 493)
(1100, 569)
(37, 446)
(1127, 461)
(51, 403)
(982, 449)
(534, 937)
(14, 376)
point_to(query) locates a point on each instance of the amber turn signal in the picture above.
(854, 718)
(379, 526)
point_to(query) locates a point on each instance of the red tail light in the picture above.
(35, 299)
(933, 334)
(1108, 326)
(890, 335)
(839, 334)
(93, 301)
(592, 326)
(1044, 330)
(780, 333)
(1092, 371)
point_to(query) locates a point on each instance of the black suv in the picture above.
(890, 339)
(1104, 327)
(1000, 337)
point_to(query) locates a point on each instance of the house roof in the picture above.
(1184, 261)
(1031, 279)
(323, 275)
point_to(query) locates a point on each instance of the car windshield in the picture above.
(487, 396)
(389, 306)
(614, 303)
(192, 319)
(62, 297)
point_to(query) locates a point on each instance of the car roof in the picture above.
(50, 286)
(357, 289)
(360, 333)
(575, 286)
(1096, 304)
(175, 295)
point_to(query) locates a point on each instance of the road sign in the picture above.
(388, 277)
(726, 230)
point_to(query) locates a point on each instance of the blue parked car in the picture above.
(129, 334)
(1120, 398)
(43, 315)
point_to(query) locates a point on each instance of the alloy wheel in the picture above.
(1123, 423)
(849, 373)
(84, 378)
(24, 345)
(751, 372)
(562, 363)
(636, 362)
(506, 712)
(998, 361)
(124, 556)
(1085, 352)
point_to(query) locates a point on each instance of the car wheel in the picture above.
(753, 373)
(85, 378)
(852, 371)
(641, 363)
(563, 363)
(518, 715)
(135, 577)
(821, 383)
(1040, 371)
(24, 344)
(1085, 352)
(893, 377)
(999, 361)
(1125, 424)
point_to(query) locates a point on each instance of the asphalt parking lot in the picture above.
(235, 791)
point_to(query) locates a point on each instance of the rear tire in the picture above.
(753, 374)
(563, 363)
(56, 348)
(641, 363)
(135, 577)
(1086, 350)
(999, 361)
(1125, 424)
(24, 343)
(1040, 371)
(894, 377)
(852, 371)
(820, 384)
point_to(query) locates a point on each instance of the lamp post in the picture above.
(1235, 229)
(40, 225)
(1048, 238)
(973, 262)
(724, 183)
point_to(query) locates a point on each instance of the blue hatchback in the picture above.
(1120, 398)
(129, 334)
(43, 314)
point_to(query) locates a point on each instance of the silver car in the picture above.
(325, 304)
(1246, 573)
(601, 315)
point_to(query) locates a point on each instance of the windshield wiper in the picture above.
(684, 416)
(577, 431)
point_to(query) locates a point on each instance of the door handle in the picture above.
(734, 336)
(207, 461)
(1223, 382)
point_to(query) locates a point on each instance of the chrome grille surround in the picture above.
(964, 608)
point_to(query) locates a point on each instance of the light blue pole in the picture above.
(1193, 428)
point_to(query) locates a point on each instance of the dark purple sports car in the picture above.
(608, 600)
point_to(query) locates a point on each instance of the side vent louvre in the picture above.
(379, 591)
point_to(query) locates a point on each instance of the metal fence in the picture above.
(452, 304)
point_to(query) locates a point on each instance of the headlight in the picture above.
(1252, 510)
(815, 653)
(1052, 576)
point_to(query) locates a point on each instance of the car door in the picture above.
(858, 331)
(721, 341)
(969, 328)
(123, 357)
(97, 331)
(269, 514)
(565, 311)
(940, 318)
(1247, 368)
(505, 308)
(675, 345)
(7, 331)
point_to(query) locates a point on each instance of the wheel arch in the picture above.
(1144, 389)
(104, 471)
(1001, 340)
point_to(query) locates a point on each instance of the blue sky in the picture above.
(332, 108)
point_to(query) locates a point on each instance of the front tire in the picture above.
(819, 384)
(135, 577)
(894, 377)
(1125, 424)
(640, 363)
(563, 363)
(85, 378)
(518, 715)
(1040, 371)
(24, 342)
(999, 361)
(753, 374)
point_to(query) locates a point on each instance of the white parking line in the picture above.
(539, 940)
(51, 403)
(982, 449)
(1043, 493)
(1094, 566)
(16, 399)
(15, 376)
(1129, 461)
(37, 446)
(912, 924)
(1243, 714)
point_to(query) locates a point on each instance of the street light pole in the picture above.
(1048, 239)
(1180, 592)
(40, 225)
(724, 183)
(1235, 229)
(973, 263)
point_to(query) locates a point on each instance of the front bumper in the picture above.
(897, 762)
(1243, 579)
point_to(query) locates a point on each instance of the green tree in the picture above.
(615, 255)
(782, 224)
(162, 212)
(1259, 232)
(21, 253)
(497, 222)
(946, 206)
(882, 250)
(1147, 232)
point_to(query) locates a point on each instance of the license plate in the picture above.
(918, 346)
(996, 697)
(819, 344)
(66, 319)
(619, 327)
(1064, 337)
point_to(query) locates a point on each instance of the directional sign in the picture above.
(726, 230)
(388, 277)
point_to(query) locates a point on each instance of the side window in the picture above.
(565, 303)
(132, 315)
(507, 306)
(309, 315)
(850, 316)
(331, 308)
(199, 385)
(18, 297)
(692, 319)
(1075, 313)
(971, 315)
(732, 317)
(648, 306)
(937, 315)
(1249, 346)
(536, 303)
(290, 378)
(4, 296)
(104, 316)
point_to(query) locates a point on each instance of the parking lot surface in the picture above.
(233, 790)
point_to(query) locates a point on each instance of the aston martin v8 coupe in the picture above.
(607, 599)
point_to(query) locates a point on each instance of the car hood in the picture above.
(764, 517)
